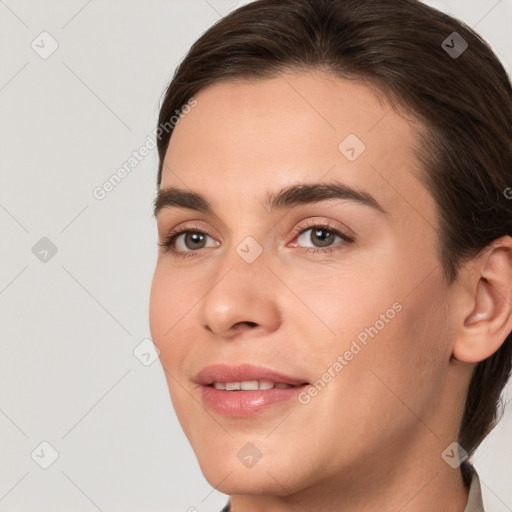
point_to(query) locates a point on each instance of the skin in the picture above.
(376, 432)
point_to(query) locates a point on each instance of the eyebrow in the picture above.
(288, 197)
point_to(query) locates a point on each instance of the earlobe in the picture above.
(486, 326)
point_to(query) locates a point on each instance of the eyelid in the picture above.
(328, 224)
(169, 239)
(193, 226)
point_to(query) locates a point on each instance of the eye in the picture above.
(186, 240)
(322, 237)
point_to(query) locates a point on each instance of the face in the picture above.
(333, 287)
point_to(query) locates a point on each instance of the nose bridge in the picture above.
(247, 251)
(241, 291)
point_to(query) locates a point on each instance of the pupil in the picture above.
(195, 237)
(325, 240)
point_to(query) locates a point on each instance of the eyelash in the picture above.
(168, 241)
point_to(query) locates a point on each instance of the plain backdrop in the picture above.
(80, 87)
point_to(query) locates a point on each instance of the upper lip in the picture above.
(243, 372)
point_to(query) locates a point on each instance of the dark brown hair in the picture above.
(464, 102)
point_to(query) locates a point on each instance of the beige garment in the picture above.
(475, 503)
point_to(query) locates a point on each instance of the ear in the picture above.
(486, 309)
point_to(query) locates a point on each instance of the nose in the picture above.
(242, 301)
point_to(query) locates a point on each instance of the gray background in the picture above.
(70, 324)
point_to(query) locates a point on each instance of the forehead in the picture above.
(294, 127)
(287, 110)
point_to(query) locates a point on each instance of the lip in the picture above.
(227, 373)
(245, 403)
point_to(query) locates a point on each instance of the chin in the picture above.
(259, 480)
(228, 467)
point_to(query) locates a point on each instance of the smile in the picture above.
(244, 390)
(251, 385)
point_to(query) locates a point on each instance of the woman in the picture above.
(332, 295)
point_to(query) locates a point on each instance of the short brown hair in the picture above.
(463, 100)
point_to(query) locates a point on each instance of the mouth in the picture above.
(253, 385)
(246, 390)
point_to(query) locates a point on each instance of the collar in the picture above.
(471, 480)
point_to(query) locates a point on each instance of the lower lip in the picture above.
(242, 404)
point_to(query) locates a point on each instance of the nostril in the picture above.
(249, 324)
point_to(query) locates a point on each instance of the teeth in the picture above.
(266, 384)
(250, 385)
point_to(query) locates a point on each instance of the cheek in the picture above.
(338, 305)
(404, 361)
(168, 306)
(392, 341)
